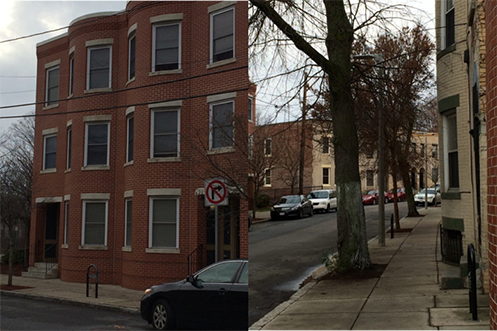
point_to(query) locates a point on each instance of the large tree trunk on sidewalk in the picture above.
(352, 241)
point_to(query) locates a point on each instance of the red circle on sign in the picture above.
(210, 187)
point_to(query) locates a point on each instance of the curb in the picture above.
(68, 301)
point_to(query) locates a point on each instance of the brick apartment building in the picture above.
(135, 110)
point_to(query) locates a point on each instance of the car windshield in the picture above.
(289, 199)
(221, 273)
(371, 192)
(319, 195)
(430, 191)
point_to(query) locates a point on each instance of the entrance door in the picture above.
(223, 236)
(50, 239)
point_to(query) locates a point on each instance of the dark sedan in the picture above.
(215, 297)
(291, 205)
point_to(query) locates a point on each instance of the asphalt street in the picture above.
(284, 253)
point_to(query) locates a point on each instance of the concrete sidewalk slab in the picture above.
(330, 321)
(393, 321)
(448, 317)
(398, 303)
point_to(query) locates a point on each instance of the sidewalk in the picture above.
(406, 296)
(110, 297)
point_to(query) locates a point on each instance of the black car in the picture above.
(215, 297)
(291, 205)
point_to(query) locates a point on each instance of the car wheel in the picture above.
(328, 208)
(311, 212)
(374, 202)
(301, 213)
(162, 315)
(386, 201)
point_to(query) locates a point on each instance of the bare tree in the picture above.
(16, 169)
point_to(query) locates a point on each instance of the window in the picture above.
(132, 56)
(422, 151)
(164, 222)
(222, 124)
(71, 74)
(165, 133)
(369, 178)
(99, 67)
(222, 35)
(127, 230)
(129, 149)
(244, 276)
(66, 224)
(326, 176)
(50, 152)
(250, 110)
(452, 154)
(69, 143)
(94, 223)
(449, 23)
(267, 147)
(97, 144)
(52, 97)
(250, 147)
(326, 145)
(220, 273)
(413, 148)
(267, 177)
(434, 151)
(166, 53)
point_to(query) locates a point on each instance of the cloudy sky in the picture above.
(19, 19)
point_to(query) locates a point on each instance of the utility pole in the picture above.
(302, 138)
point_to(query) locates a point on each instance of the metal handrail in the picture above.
(473, 304)
(197, 251)
(51, 261)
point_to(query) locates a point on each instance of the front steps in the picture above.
(39, 270)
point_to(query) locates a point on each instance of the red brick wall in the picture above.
(491, 64)
(138, 269)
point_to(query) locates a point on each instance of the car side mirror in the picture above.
(194, 281)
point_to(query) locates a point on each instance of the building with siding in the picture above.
(135, 111)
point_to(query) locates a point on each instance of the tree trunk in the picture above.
(11, 256)
(351, 222)
(411, 207)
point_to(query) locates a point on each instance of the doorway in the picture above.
(50, 238)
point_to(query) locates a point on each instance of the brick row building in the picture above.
(135, 110)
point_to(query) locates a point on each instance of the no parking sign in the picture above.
(215, 192)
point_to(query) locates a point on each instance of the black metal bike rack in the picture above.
(473, 305)
(95, 276)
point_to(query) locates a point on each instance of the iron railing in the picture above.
(196, 259)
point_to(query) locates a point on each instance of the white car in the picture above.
(323, 200)
(433, 197)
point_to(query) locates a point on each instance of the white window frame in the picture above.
(69, 148)
(126, 243)
(266, 141)
(128, 119)
(443, 22)
(154, 32)
(131, 37)
(150, 224)
(251, 109)
(270, 177)
(152, 132)
(371, 174)
(71, 74)
(45, 137)
(211, 37)
(52, 103)
(448, 151)
(90, 49)
(328, 176)
(250, 146)
(211, 124)
(66, 223)
(84, 221)
(86, 141)
(327, 145)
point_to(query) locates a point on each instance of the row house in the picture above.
(135, 111)
(277, 152)
(461, 90)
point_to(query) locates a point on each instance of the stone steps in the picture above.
(39, 271)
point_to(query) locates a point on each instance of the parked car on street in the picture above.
(401, 195)
(323, 200)
(291, 205)
(433, 197)
(371, 197)
(215, 297)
